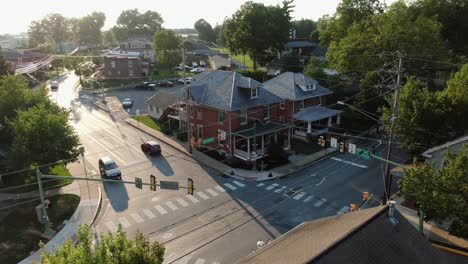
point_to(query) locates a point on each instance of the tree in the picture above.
(258, 30)
(5, 66)
(219, 33)
(53, 26)
(304, 27)
(205, 31)
(109, 38)
(42, 135)
(165, 44)
(368, 98)
(440, 193)
(110, 249)
(89, 28)
(132, 22)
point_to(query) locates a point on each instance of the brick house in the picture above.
(143, 45)
(22, 58)
(120, 64)
(303, 106)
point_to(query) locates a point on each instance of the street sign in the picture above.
(223, 135)
(138, 183)
(363, 153)
(208, 140)
(333, 142)
(352, 148)
(169, 185)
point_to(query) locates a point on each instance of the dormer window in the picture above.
(310, 87)
(254, 92)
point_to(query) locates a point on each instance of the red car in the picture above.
(151, 147)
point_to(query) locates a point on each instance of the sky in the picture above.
(18, 14)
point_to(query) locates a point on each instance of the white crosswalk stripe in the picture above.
(308, 199)
(219, 188)
(200, 261)
(299, 196)
(125, 223)
(260, 184)
(230, 186)
(203, 195)
(149, 214)
(112, 227)
(137, 218)
(211, 192)
(193, 199)
(172, 206)
(320, 202)
(182, 202)
(343, 210)
(239, 184)
(160, 209)
(271, 187)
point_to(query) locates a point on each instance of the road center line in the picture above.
(350, 163)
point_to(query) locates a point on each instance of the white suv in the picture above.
(109, 169)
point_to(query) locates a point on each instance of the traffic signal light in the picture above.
(199, 143)
(319, 141)
(342, 146)
(365, 195)
(153, 183)
(353, 207)
(322, 141)
(190, 187)
(192, 142)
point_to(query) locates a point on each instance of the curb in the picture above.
(98, 208)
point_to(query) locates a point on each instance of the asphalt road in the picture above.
(225, 218)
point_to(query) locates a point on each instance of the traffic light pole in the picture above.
(187, 98)
(45, 218)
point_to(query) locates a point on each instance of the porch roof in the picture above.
(247, 131)
(315, 113)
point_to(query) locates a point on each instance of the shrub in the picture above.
(276, 152)
(166, 130)
(459, 229)
(182, 136)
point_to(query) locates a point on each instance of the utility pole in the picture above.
(388, 178)
(187, 103)
(45, 217)
(255, 146)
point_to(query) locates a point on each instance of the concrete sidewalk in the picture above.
(86, 212)
(431, 231)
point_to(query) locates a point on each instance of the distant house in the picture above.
(120, 64)
(160, 102)
(435, 155)
(374, 235)
(220, 61)
(22, 58)
(143, 45)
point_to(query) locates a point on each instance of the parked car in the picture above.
(197, 70)
(54, 85)
(127, 103)
(165, 84)
(188, 79)
(109, 169)
(151, 147)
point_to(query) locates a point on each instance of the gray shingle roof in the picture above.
(315, 113)
(229, 91)
(162, 99)
(293, 44)
(288, 86)
(360, 237)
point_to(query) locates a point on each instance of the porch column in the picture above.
(330, 121)
(289, 138)
(309, 127)
(263, 144)
(248, 148)
(276, 136)
(338, 119)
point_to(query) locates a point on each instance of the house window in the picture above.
(254, 92)
(151, 108)
(221, 116)
(200, 132)
(199, 112)
(130, 73)
(130, 63)
(157, 110)
(243, 116)
(281, 105)
(266, 113)
(301, 104)
(310, 87)
(113, 64)
(221, 137)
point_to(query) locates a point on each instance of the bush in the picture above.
(459, 229)
(166, 130)
(257, 75)
(276, 153)
(182, 136)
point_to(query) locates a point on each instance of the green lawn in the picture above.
(240, 57)
(147, 120)
(30, 178)
(20, 232)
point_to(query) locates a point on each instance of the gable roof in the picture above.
(163, 99)
(230, 91)
(287, 86)
(364, 236)
(459, 142)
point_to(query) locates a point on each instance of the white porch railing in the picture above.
(245, 155)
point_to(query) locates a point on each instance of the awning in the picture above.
(315, 113)
(248, 130)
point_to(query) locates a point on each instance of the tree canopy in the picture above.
(165, 43)
(53, 26)
(258, 30)
(304, 27)
(205, 31)
(110, 249)
(132, 23)
(440, 193)
(5, 66)
(89, 28)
